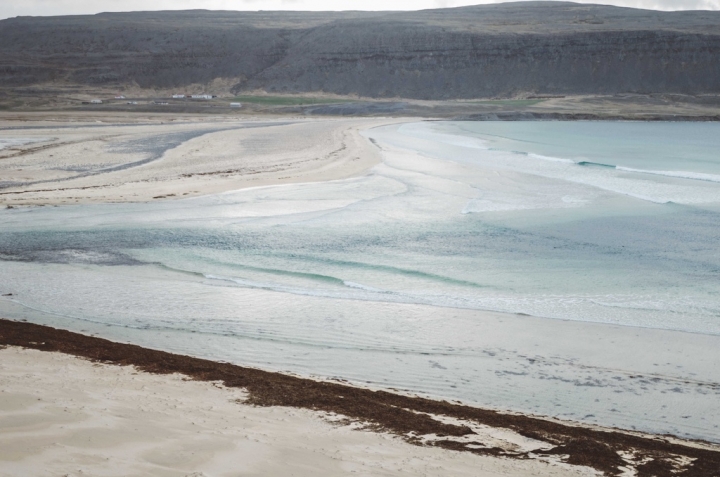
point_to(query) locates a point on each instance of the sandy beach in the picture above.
(164, 414)
(125, 159)
(66, 416)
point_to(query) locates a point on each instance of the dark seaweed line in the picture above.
(388, 412)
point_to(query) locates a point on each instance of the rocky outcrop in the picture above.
(484, 51)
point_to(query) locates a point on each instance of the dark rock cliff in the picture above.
(482, 51)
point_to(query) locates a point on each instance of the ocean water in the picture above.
(564, 269)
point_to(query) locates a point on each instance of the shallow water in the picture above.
(386, 279)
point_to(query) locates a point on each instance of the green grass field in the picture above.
(287, 100)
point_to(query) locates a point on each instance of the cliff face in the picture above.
(491, 50)
(405, 62)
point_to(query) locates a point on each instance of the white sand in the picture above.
(61, 415)
(72, 164)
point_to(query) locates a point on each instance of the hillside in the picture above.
(501, 50)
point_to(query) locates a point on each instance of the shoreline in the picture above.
(68, 416)
(416, 420)
(571, 117)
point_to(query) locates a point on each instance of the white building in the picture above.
(236, 105)
(201, 96)
(96, 101)
(178, 96)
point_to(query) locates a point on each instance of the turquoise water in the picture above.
(584, 233)
(689, 147)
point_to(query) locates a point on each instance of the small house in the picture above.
(236, 105)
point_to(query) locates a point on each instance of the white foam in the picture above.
(462, 141)
(698, 176)
(419, 130)
(476, 206)
(362, 287)
(639, 310)
(551, 159)
(655, 200)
